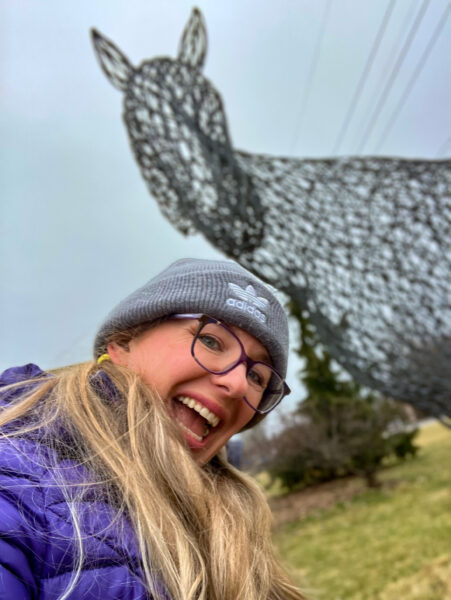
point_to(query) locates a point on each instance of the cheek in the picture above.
(246, 414)
(148, 363)
(162, 374)
(155, 376)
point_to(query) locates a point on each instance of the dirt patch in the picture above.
(300, 504)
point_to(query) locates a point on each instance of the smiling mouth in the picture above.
(194, 418)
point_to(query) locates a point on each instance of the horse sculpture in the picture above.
(361, 243)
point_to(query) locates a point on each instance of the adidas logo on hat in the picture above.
(248, 301)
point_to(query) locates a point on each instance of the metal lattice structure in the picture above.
(361, 243)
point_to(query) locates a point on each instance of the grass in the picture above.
(393, 543)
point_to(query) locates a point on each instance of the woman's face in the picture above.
(209, 408)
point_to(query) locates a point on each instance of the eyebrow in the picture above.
(262, 356)
(259, 355)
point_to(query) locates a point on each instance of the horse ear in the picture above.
(114, 64)
(193, 45)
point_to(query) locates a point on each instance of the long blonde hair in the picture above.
(203, 532)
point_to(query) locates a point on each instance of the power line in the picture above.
(444, 147)
(313, 67)
(363, 78)
(415, 75)
(393, 74)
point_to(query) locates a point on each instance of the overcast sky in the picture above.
(79, 230)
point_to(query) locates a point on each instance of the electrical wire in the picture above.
(414, 76)
(443, 148)
(393, 74)
(364, 76)
(311, 75)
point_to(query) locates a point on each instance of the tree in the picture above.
(339, 429)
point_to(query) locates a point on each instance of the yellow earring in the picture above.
(102, 358)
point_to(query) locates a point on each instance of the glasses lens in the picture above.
(267, 396)
(217, 349)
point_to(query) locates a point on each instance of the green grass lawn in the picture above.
(388, 544)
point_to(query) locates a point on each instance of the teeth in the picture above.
(211, 418)
(204, 413)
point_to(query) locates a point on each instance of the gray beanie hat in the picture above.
(222, 289)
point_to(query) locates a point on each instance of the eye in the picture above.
(258, 378)
(210, 342)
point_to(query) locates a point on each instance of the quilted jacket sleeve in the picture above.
(16, 578)
(22, 530)
(21, 544)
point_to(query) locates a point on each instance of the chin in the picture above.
(204, 455)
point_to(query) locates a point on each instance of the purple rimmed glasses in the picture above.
(218, 350)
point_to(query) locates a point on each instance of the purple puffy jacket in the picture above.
(37, 543)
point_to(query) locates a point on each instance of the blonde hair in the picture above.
(203, 532)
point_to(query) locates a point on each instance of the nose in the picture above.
(234, 382)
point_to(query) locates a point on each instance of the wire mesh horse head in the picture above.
(178, 132)
(361, 243)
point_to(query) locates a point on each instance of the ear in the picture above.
(114, 64)
(193, 45)
(119, 354)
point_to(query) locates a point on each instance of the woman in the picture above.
(99, 494)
